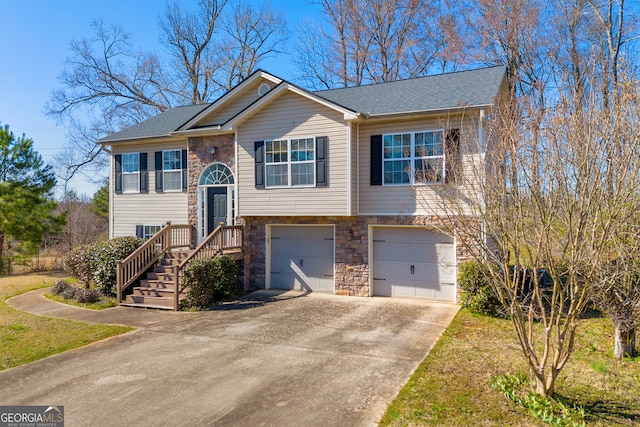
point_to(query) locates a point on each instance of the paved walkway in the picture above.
(34, 302)
(274, 359)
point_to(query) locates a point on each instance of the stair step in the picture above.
(157, 284)
(161, 275)
(157, 290)
(153, 292)
(148, 301)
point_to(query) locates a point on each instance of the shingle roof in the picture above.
(431, 93)
(160, 125)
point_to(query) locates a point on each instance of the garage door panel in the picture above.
(414, 262)
(302, 258)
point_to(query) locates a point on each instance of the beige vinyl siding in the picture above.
(293, 116)
(149, 208)
(233, 106)
(401, 199)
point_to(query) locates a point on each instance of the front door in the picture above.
(216, 207)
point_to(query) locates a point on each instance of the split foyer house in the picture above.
(322, 182)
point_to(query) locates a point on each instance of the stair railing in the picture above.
(222, 239)
(169, 237)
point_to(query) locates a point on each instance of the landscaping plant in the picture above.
(97, 263)
(476, 292)
(210, 281)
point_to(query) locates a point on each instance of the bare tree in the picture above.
(84, 226)
(619, 287)
(107, 75)
(538, 201)
(367, 41)
(115, 85)
(252, 34)
(188, 37)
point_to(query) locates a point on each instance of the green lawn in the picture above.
(26, 337)
(451, 386)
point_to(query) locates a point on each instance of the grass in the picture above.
(452, 385)
(26, 337)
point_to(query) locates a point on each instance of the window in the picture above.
(147, 231)
(217, 174)
(290, 163)
(172, 170)
(410, 158)
(131, 173)
(150, 230)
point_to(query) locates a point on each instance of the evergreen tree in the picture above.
(26, 206)
(100, 202)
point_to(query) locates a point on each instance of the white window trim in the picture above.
(412, 159)
(164, 172)
(146, 235)
(136, 173)
(290, 162)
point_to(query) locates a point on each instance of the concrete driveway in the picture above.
(274, 359)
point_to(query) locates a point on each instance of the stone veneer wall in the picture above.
(351, 247)
(199, 158)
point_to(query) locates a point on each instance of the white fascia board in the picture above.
(209, 130)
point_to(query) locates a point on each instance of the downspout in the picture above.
(357, 168)
(482, 147)
(349, 169)
(235, 181)
(481, 136)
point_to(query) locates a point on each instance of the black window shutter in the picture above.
(118, 177)
(259, 147)
(376, 160)
(184, 170)
(321, 161)
(144, 174)
(452, 156)
(158, 171)
(140, 230)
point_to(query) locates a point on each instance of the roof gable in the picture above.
(232, 102)
(275, 93)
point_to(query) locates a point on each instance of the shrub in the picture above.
(59, 287)
(69, 293)
(98, 262)
(104, 259)
(87, 296)
(210, 281)
(477, 294)
(78, 262)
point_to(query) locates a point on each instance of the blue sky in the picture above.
(35, 37)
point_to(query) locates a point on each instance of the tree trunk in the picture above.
(545, 383)
(2, 254)
(624, 342)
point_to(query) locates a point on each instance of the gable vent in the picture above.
(263, 89)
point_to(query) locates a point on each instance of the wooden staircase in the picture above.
(168, 252)
(158, 289)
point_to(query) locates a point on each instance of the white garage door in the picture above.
(413, 262)
(302, 258)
